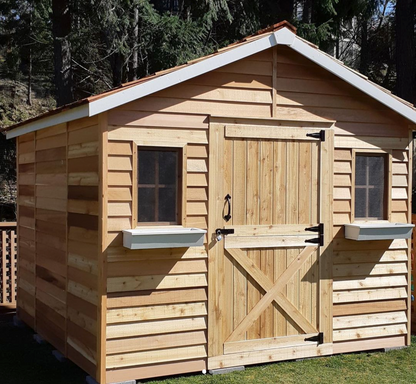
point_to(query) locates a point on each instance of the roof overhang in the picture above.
(283, 36)
(50, 120)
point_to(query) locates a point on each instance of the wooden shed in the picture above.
(250, 206)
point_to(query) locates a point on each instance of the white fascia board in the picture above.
(284, 36)
(49, 121)
(181, 75)
(350, 77)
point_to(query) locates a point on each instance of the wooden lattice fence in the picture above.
(8, 264)
(413, 276)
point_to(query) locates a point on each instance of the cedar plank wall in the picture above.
(26, 229)
(370, 278)
(157, 299)
(244, 89)
(57, 188)
(83, 242)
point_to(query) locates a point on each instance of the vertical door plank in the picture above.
(239, 218)
(304, 217)
(314, 271)
(279, 217)
(279, 200)
(239, 182)
(266, 204)
(292, 202)
(280, 322)
(228, 264)
(252, 203)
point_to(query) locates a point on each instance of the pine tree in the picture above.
(405, 49)
(61, 29)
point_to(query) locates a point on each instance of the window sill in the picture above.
(167, 237)
(378, 231)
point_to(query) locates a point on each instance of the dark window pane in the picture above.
(158, 175)
(375, 203)
(370, 185)
(376, 170)
(360, 202)
(361, 170)
(168, 167)
(146, 205)
(147, 167)
(167, 204)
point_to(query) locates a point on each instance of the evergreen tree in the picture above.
(405, 49)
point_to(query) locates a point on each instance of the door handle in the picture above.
(227, 217)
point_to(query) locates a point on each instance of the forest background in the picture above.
(53, 52)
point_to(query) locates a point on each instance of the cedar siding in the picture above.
(58, 237)
(125, 314)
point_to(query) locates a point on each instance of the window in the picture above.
(159, 185)
(371, 186)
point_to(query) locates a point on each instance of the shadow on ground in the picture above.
(23, 361)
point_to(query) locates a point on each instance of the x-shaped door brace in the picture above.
(273, 292)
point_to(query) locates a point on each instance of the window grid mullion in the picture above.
(157, 187)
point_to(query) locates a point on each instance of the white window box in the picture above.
(175, 237)
(378, 231)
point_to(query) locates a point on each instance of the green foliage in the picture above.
(25, 39)
(171, 41)
(314, 33)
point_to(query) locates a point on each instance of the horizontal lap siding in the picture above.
(51, 234)
(157, 299)
(370, 278)
(57, 258)
(83, 195)
(26, 260)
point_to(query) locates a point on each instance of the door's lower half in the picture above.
(269, 283)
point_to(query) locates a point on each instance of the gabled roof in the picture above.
(279, 34)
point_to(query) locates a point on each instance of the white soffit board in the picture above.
(48, 121)
(339, 70)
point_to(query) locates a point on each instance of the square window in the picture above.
(370, 186)
(159, 186)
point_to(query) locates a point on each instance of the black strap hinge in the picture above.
(318, 228)
(317, 240)
(319, 338)
(317, 135)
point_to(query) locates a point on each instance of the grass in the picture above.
(23, 361)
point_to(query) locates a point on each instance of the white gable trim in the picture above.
(49, 121)
(280, 37)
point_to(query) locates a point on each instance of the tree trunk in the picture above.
(29, 69)
(134, 59)
(364, 46)
(61, 28)
(405, 50)
(307, 11)
(29, 79)
(117, 64)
